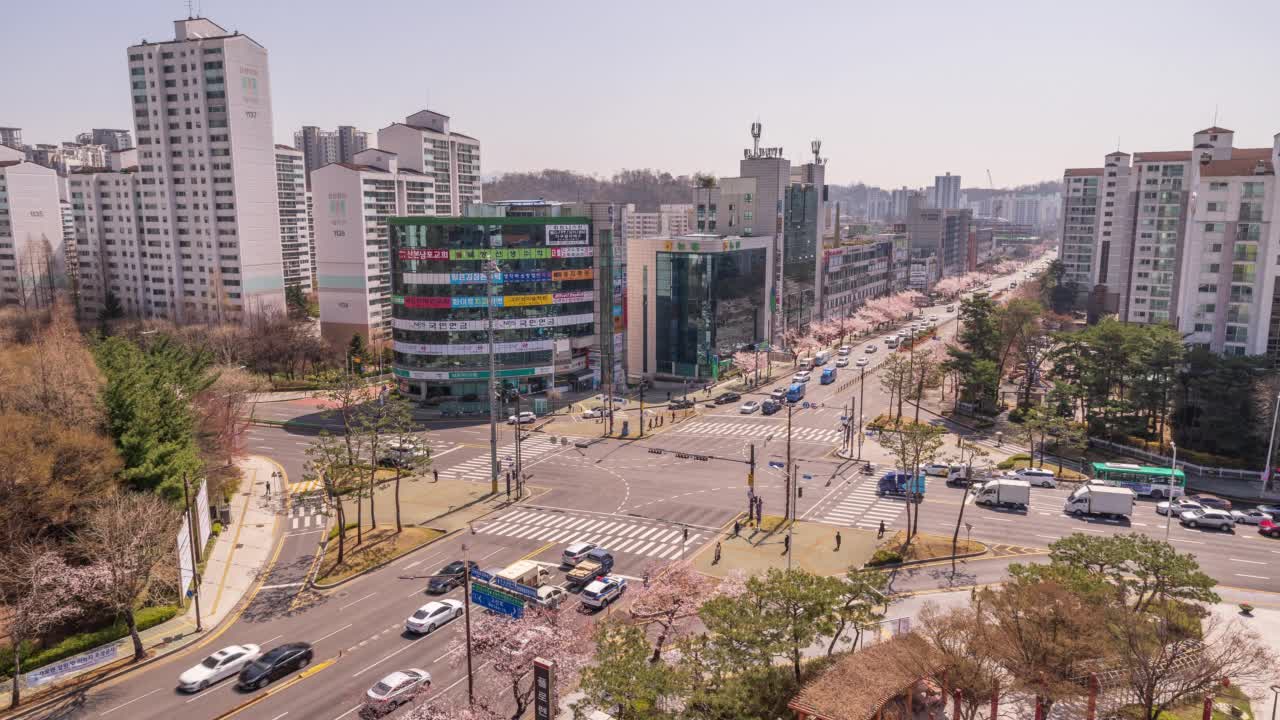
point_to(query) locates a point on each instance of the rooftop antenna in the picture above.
(816, 147)
(189, 11)
(1215, 116)
(755, 137)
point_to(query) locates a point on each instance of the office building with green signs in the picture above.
(545, 295)
(696, 300)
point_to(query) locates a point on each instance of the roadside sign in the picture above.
(515, 587)
(491, 598)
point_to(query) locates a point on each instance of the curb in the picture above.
(947, 558)
(379, 566)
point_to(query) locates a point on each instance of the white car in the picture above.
(801, 377)
(842, 362)
(749, 407)
(1179, 505)
(550, 596)
(862, 362)
(603, 591)
(1220, 519)
(223, 664)
(1250, 517)
(871, 349)
(433, 615)
(523, 418)
(1038, 478)
(937, 469)
(844, 350)
(396, 689)
(575, 553)
(593, 413)
(933, 318)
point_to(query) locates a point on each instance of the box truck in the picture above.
(1100, 500)
(1004, 492)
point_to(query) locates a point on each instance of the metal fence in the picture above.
(1242, 476)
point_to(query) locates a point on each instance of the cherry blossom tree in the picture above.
(749, 363)
(675, 592)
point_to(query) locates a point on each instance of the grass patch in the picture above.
(1194, 710)
(889, 423)
(380, 545)
(37, 657)
(927, 547)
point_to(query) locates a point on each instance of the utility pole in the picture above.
(862, 406)
(751, 472)
(642, 384)
(466, 601)
(787, 509)
(195, 567)
(519, 468)
(490, 268)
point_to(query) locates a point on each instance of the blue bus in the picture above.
(828, 376)
(795, 392)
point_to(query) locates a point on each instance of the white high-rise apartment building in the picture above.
(353, 256)
(32, 263)
(207, 177)
(295, 226)
(321, 147)
(1077, 236)
(110, 245)
(671, 220)
(946, 191)
(424, 142)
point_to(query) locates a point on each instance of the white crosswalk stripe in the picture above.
(760, 429)
(476, 469)
(303, 516)
(863, 507)
(633, 537)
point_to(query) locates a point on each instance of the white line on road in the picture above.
(446, 452)
(1048, 537)
(1251, 562)
(415, 562)
(153, 692)
(355, 709)
(353, 602)
(446, 654)
(1255, 577)
(286, 712)
(388, 657)
(281, 585)
(335, 632)
(1193, 542)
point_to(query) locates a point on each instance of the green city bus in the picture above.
(1142, 479)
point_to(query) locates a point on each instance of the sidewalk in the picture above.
(813, 548)
(239, 555)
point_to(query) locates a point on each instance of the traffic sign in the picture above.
(494, 599)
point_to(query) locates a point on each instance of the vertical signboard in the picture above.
(544, 695)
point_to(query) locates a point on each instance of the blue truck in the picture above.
(898, 484)
(828, 376)
(795, 392)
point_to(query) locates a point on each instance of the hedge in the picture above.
(885, 556)
(1012, 461)
(33, 658)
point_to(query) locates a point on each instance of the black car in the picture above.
(729, 397)
(277, 663)
(448, 577)
(680, 404)
(769, 407)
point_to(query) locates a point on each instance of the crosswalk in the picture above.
(646, 539)
(760, 430)
(476, 469)
(304, 486)
(863, 507)
(306, 515)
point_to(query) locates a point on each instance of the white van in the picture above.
(844, 350)
(822, 357)
(805, 364)
(892, 341)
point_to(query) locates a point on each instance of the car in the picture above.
(576, 553)
(749, 407)
(603, 591)
(402, 452)
(778, 394)
(1179, 505)
(951, 308)
(1250, 517)
(593, 413)
(1211, 501)
(605, 399)
(801, 377)
(933, 318)
(1270, 528)
(396, 689)
(449, 577)
(842, 362)
(523, 418)
(726, 398)
(221, 665)
(769, 407)
(680, 404)
(1272, 510)
(550, 596)
(1220, 519)
(862, 362)
(432, 615)
(278, 662)
(1037, 477)
(870, 349)
(844, 350)
(937, 469)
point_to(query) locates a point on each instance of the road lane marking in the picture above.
(446, 654)
(286, 712)
(335, 632)
(1193, 542)
(1255, 577)
(153, 692)
(1048, 537)
(415, 562)
(281, 585)
(357, 707)
(1251, 562)
(366, 668)
(353, 602)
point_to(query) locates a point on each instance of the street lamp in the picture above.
(1266, 471)
(491, 269)
(1168, 513)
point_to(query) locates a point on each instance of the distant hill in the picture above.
(646, 188)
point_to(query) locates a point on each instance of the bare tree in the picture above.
(393, 422)
(222, 415)
(967, 454)
(895, 378)
(913, 446)
(347, 398)
(41, 592)
(327, 462)
(958, 637)
(131, 537)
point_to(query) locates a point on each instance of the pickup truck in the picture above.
(603, 591)
(597, 563)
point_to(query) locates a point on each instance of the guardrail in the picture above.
(1158, 459)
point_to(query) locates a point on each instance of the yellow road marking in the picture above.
(539, 550)
(276, 689)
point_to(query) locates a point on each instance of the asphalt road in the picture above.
(647, 507)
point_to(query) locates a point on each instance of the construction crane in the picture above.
(996, 204)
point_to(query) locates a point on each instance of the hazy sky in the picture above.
(898, 92)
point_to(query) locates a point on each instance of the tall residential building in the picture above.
(901, 202)
(321, 147)
(670, 220)
(12, 137)
(32, 260)
(207, 170)
(111, 138)
(295, 233)
(353, 257)
(110, 245)
(1077, 238)
(1231, 257)
(425, 143)
(943, 235)
(946, 192)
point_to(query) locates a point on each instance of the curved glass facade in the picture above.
(543, 297)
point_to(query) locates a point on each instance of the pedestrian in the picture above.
(759, 511)
(268, 489)
(880, 532)
(717, 560)
(786, 544)
(646, 579)
(686, 534)
(737, 527)
(435, 475)
(837, 541)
